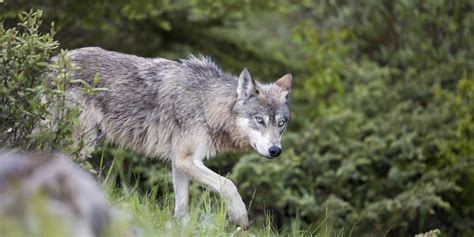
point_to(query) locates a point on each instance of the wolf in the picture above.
(182, 111)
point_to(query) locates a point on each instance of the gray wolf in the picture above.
(182, 111)
(37, 189)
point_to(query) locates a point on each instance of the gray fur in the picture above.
(181, 111)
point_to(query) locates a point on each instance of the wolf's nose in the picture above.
(274, 151)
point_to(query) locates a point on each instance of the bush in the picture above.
(35, 112)
(384, 142)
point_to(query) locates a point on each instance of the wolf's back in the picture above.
(150, 103)
(109, 65)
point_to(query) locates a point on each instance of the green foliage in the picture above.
(37, 111)
(431, 233)
(381, 138)
(389, 148)
(34, 113)
(384, 136)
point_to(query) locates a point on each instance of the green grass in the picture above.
(152, 214)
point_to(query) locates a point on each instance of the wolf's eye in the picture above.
(259, 120)
(281, 123)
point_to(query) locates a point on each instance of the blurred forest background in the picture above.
(381, 140)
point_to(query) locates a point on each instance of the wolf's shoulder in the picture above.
(202, 65)
(87, 51)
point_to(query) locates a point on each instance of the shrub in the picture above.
(35, 111)
(384, 143)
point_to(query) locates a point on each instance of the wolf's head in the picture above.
(262, 112)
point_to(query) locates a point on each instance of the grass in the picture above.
(152, 215)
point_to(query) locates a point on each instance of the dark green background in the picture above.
(381, 136)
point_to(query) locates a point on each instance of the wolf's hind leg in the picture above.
(181, 192)
(197, 171)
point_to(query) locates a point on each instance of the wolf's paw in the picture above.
(244, 223)
(183, 219)
(240, 220)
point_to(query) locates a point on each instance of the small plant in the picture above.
(431, 233)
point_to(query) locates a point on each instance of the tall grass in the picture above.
(151, 214)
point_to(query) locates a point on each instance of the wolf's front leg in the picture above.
(181, 192)
(196, 170)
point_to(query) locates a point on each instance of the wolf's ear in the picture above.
(285, 82)
(247, 86)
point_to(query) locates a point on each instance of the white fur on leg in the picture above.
(196, 170)
(181, 193)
